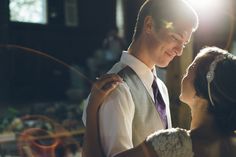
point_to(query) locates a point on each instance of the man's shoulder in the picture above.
(121, 91)
(127, 73)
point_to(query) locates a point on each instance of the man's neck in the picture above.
(138, 50)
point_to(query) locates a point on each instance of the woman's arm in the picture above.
(100, 89)
(145, 149)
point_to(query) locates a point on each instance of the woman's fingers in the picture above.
(102, 87)
(107, 82)
(109, 86)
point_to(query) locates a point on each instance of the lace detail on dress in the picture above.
(173, 142)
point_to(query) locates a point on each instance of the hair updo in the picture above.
(222, 87)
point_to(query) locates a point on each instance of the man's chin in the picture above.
(164, 64)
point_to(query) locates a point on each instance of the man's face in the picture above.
(167, 42)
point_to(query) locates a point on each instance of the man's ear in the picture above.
(148, 24)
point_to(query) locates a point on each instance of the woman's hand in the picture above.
(102, 87)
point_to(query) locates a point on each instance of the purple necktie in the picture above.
(159, 103)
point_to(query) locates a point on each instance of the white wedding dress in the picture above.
(173, 142)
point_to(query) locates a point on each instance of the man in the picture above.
(129, 113)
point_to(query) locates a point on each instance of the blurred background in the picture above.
(52, 50)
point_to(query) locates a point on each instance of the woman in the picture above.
(209, 89)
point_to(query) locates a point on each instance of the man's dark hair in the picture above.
(168, 10)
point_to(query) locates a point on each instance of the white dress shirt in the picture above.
(117, 112)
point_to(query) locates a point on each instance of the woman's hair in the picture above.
(221, 90)
(165, 10)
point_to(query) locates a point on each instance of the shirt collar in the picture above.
(142, 70)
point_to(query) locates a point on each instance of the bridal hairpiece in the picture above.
(211, 73)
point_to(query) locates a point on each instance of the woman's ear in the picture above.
(196, 97)
(200, 100)
(148, 24)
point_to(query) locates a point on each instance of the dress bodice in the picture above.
(173, 142)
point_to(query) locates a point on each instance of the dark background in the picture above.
(29, 77)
